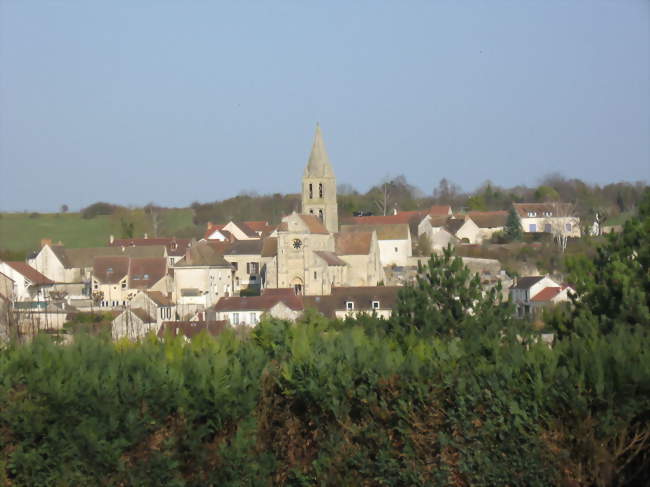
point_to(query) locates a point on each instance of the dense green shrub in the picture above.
(450, 391)
(99, 208)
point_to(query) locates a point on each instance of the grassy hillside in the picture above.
(23, 232)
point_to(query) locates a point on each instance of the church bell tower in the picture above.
(319, 186)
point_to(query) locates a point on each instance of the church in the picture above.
(306, 252)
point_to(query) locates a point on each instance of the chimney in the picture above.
(111, 239)
(46, 241)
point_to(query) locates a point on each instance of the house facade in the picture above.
(554, 218)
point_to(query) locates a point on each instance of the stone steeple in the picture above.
(319, 162)
(319, 186)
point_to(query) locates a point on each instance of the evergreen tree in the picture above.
(614, 288)
(513, 230)
(448, 300)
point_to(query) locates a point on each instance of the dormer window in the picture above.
(349, 305)
(532, 213)
(109, 270)
(375, 305)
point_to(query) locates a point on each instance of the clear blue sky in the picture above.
(174, 102)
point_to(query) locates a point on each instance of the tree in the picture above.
(64, 208)
(154, 212)
(512, 230)
(561, 223)
(614, 289)
(448, 300)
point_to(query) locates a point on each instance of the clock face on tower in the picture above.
(297, 243)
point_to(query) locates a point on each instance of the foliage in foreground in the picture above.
(443, 394)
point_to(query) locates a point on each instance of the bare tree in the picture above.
(383, 201)
(561, 223)
(154, 213)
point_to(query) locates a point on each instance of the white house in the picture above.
(530, 293)
(488, 223)
(248, 310)
(28, 283)
(554, 218)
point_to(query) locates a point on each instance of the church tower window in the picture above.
(320, 214)
(320, 190)
(311, 191)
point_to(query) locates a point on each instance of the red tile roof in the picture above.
(314, 224)
(353, 243)
(546, 294)
(258, 226)
(440, 210)
(110, 270)
(146, 271)
(29, 272)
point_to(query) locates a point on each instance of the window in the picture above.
(297, 243)
(315, 275)
(311, 212)
(320, 215)
(396, 250)
(349, 305)
(146, 276)
(532, 213)
(320, 190)
(124, 285)
(252, 268)
(253, 318)
(567, 227)
(375, 305)
(548, 228)
(311, 191)
(532, 227)
(235, 318)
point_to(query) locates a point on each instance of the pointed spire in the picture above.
(319, 163)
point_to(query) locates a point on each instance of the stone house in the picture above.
(394, 240)
(554, 218)
(249, 310)
(245, 256)
(176, 247)
(352, 301)
(116, 279)
(360, 250)
(488, 223)
(201, 278)
(71, 269)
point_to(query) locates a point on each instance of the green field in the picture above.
(22, 232)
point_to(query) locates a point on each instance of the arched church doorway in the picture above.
(297, 285)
